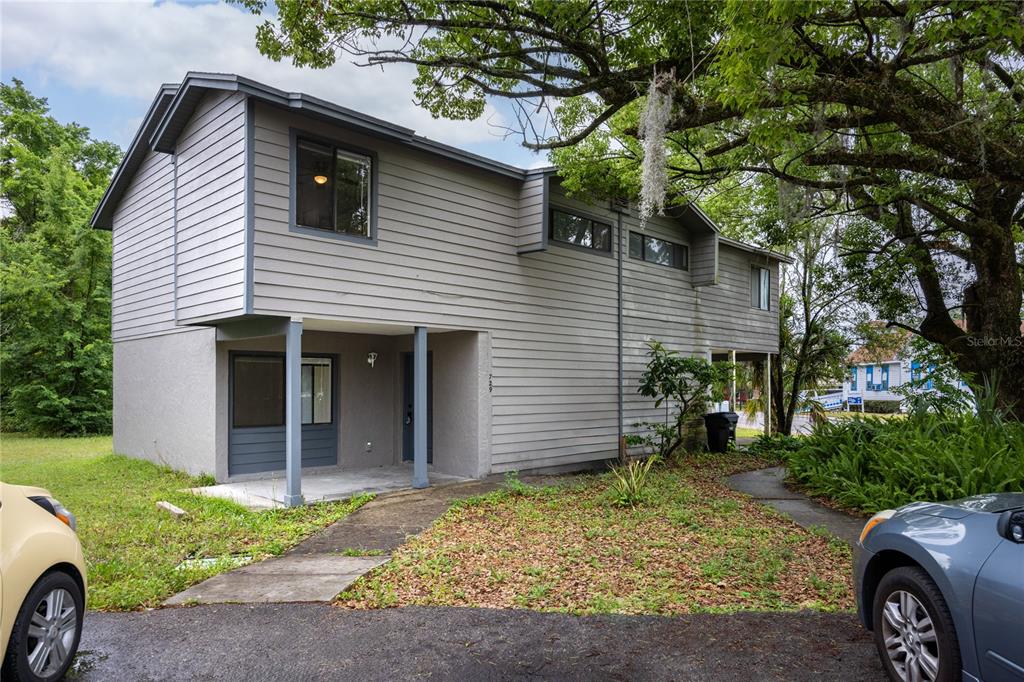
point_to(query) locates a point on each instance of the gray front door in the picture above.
(407, 416)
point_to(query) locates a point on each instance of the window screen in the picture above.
(258, 391)
(569, 228)
(658, 251)
(332, 189)
(760, 288)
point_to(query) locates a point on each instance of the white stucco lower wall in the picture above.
(165, 399)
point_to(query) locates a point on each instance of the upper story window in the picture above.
(658, 251)
(760, 287)
(333, 189)
(577, 230)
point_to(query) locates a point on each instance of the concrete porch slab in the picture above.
(289, 578)
(268, 493)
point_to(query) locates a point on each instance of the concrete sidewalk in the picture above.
(768, 486)
(319, 568)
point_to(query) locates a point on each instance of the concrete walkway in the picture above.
(767, 486)
(324, 565)
(321, 486)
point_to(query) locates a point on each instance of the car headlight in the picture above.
(880, 517)
(57, 509)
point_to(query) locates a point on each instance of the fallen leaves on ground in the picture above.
(693, 545)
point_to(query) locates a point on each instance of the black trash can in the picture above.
(721, 427)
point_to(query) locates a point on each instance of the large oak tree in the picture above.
(905, 116)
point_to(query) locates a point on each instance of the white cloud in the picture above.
(130, 48)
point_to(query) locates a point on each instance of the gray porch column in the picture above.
(732, 386)
(768, 394)
(419, 409)
(293, 414)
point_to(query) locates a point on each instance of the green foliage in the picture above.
(904, 118)
(682, 383)
(132, 549)
(55, 348)
(872, 464)
(773, 448)
(945, 396)
(629, 483)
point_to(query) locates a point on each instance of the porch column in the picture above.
(419, 409)
(732, 387)
(768, 394)
(293, 414)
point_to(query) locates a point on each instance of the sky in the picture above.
(101, 63)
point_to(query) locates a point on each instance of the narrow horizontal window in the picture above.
(659, 251)
(333, 189)
(569, 228)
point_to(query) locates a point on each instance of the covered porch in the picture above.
(750, 375)
(312, 410)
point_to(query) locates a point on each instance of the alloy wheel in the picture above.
(910, 638)
(51, 632)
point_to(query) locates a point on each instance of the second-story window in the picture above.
(578, 230)
(760, 287)
(332, 189)
(658, 251)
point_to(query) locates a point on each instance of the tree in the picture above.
(904, 115)
(682, 383)
(55, 349)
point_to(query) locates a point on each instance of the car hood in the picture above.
(994, 503)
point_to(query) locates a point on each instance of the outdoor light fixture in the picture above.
(320, 179)
(371, 358)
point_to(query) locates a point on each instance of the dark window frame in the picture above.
(583, 216)
(295, 136)
(685, 250)
(233, 355)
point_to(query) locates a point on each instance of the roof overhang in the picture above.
(102, 217)
(750, 248)
(195, 85)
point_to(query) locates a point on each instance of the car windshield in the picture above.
(995, 503)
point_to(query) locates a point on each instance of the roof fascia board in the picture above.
(136, 148)
(750, 248)
(163, 138)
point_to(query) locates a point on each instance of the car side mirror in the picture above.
(1011, 525)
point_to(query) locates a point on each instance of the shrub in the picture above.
(629, 482)
(774, 448)
(882, 406)
(873, 464)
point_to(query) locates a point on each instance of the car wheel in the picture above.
(46, 632)
(914, 631)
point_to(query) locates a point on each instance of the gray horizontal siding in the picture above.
(530, 222)
(260, 449)
(142, 297)
(210, 252)
(447, 256)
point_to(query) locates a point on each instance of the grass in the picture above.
(131, 549)
(693, 545)
(748, 432)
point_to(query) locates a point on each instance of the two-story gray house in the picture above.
(298, 286)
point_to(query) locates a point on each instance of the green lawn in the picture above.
(131, 548)
(748, 432)
(693, 545)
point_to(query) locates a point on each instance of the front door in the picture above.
(407, 412)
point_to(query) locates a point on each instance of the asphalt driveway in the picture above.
(320, 642)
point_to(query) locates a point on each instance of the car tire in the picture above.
(42, 631)
(913, 627)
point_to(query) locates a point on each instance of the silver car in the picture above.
(942, 587)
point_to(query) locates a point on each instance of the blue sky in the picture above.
(100, 64)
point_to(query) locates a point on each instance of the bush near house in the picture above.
(873, 464)
(882, 406)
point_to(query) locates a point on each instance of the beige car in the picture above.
(42, 585)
